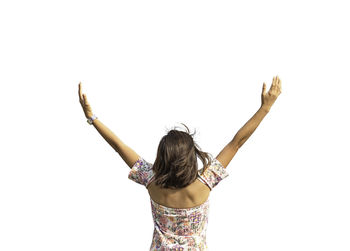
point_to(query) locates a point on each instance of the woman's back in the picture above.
(180, 216)
(193, 195)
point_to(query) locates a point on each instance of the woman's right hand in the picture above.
(267, 99)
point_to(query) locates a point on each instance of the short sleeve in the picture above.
(141, 172)
(213, 174)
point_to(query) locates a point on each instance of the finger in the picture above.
(276, 79)
(79, 91)
(280, 85)
(85, 100)
(273, 87)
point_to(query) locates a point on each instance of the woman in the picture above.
(178, 191)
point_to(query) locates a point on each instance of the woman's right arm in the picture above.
(267, 100)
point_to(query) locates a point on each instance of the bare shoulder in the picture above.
(198, 192)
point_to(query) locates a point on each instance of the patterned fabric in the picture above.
(141, 172)
(214, 174)
(179, 229)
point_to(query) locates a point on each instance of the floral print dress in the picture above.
(179, 229)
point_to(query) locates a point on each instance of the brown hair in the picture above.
(176, 162)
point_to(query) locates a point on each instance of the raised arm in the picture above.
(267, 100)
(125, 152)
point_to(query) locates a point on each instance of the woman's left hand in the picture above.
(84, 103)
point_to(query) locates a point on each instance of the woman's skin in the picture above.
(196, 193)
(127, 154)
(227, 153)
(267, 100)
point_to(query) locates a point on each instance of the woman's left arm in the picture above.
(128, 155)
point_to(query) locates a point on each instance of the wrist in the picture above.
(89, 115)
(265, 108)
(91, 119)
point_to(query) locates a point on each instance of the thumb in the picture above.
(264, 89)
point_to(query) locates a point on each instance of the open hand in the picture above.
(267, 99)
(84, 103)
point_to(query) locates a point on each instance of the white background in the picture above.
(147, 66)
